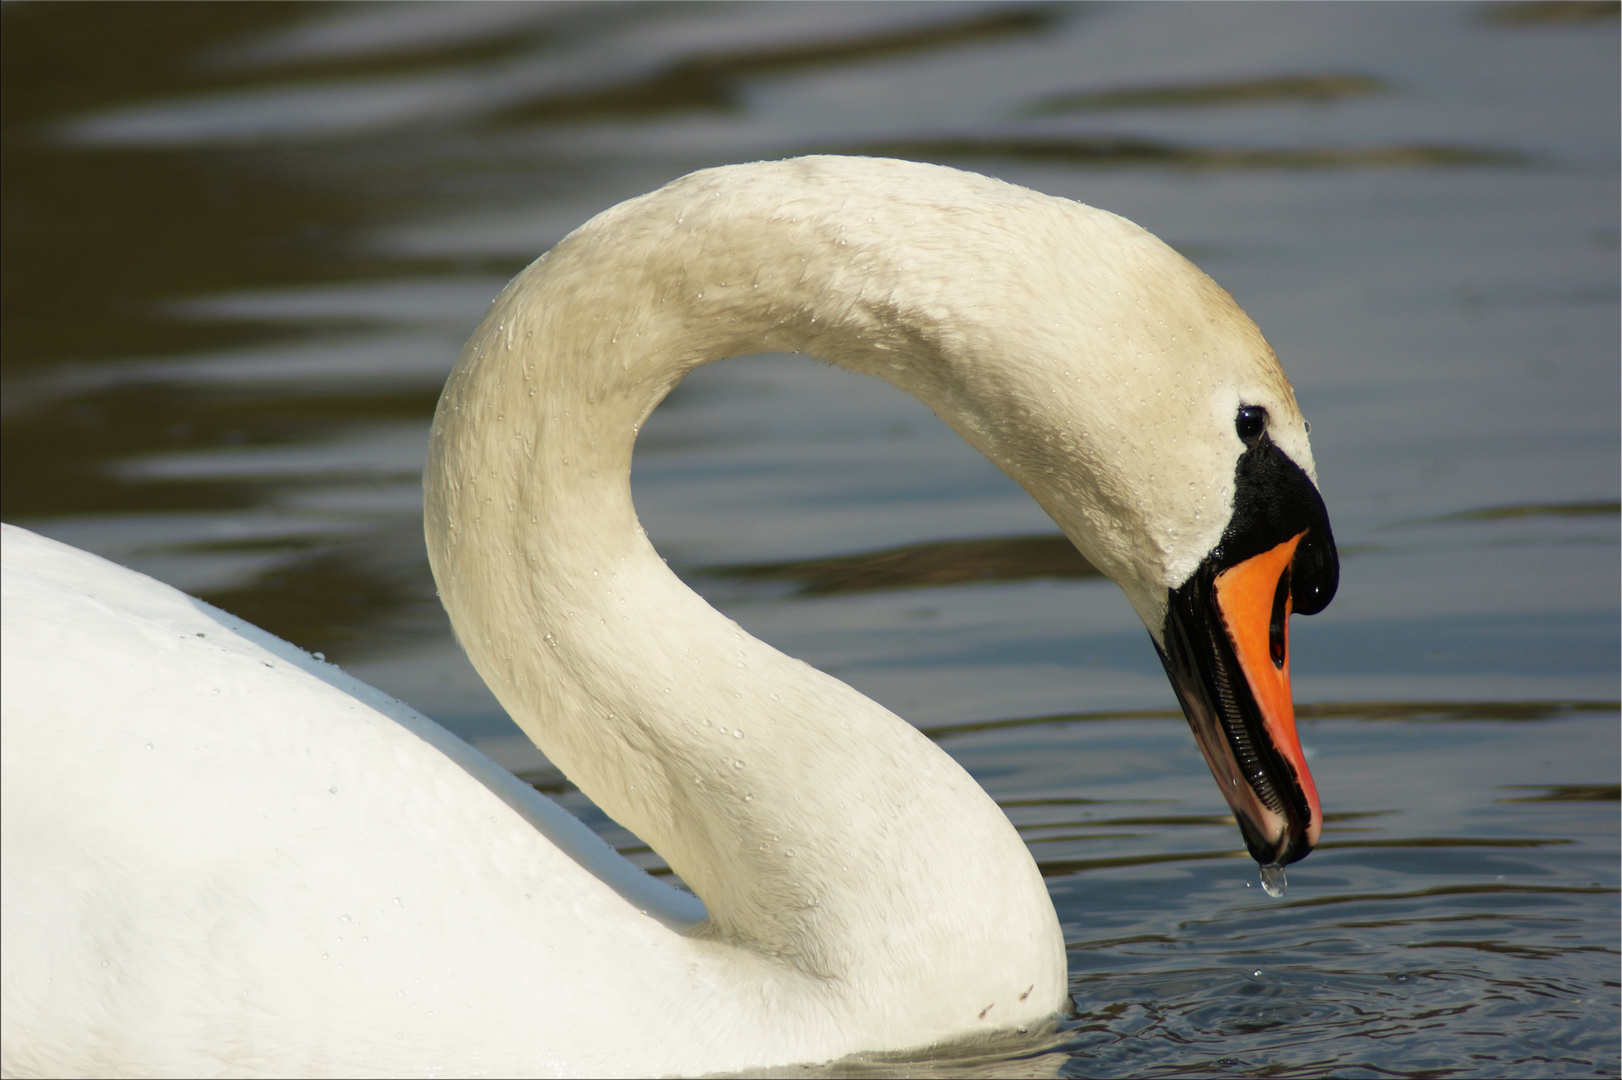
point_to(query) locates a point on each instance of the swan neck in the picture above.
(810, 820)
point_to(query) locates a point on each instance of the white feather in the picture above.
(224, 857)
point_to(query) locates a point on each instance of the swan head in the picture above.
(1149, 416)
(1224, 642)
(1133, 398)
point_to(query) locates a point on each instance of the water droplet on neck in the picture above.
(1273, 882)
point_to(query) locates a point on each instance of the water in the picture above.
(243, 243)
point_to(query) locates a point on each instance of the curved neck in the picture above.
(818, 828)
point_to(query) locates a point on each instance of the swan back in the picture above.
(281, 869)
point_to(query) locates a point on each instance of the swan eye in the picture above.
(1251, 423)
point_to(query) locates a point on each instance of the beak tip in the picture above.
(1290, 845)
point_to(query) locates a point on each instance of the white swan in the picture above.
(224, 857)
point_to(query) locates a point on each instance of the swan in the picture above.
(225, 857)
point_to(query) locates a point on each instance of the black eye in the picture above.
(1251, 423)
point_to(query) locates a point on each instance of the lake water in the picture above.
(243, 243)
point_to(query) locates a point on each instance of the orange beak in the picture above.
(1226, 649)
(1253, 599)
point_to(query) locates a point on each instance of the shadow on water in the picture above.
(717, 80)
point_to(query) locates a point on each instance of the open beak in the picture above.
(1226, 647)
(1227, 654)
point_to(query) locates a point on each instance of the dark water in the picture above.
(243, 243)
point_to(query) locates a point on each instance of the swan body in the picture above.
(222, 856)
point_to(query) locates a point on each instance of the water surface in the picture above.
(242, 245)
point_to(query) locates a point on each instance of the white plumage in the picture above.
(224, 857)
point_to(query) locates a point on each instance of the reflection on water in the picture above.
(1318, 89)
(943, 562)
(242, 244)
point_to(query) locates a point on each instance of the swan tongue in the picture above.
(1226, 653)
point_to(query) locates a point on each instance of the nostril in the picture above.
(1276, 624)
